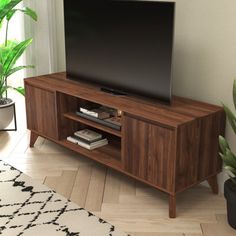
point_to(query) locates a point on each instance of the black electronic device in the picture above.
(121, 45)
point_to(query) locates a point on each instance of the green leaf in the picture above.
(223, 144)
(231, 117)
(6, 7)
(231, 169)
(225, 160)
(3, 3)
(231, 159)
(5, 50)
(10, 44)
(3, 89)
(221, 155)
(20, 90)
(10, 14)
(27, 11)
(1, 69)
(14, 55)
(11, 51)
(18, 68)
(233, 179)
(234, 93)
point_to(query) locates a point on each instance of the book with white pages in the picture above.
(90, 146)
(88, 135)
(93, 145)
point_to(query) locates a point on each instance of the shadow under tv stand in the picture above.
(168, 147)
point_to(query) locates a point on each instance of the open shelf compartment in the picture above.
(69, 123)
(109, 154)
(70, 105)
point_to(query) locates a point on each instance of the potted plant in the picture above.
(229, 160)
(10, 52)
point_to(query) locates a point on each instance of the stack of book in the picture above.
(88, 139)
(101, 114)
(98, 111)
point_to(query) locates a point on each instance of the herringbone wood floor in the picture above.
(133, 207)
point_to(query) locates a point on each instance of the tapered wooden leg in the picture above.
(33, 138)
(213, 184)
(172, 206)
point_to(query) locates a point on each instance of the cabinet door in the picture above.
(41, 111)
(149, 152)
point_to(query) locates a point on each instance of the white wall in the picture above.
(60, 35)
(47, 51)
(204, 54)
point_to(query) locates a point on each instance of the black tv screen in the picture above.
(121, 45)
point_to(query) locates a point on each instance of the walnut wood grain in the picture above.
(149, 152)
(33, 138)
(170, 147)
(172, 206)
(181, 111)
(41, 111)
(109, 154)
(187, 154)
(65, 104)
(197, 150)
(209, 161)
(212, 181)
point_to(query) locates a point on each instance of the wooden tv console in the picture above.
(168, 147)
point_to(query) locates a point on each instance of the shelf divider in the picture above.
(73, 116)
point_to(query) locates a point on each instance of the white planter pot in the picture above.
(6, 115)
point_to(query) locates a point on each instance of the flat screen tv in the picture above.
(121, 45)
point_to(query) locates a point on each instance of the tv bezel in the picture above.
(121, 91)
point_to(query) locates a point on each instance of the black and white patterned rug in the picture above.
(31, 209)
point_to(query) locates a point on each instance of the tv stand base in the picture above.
(33, 138)
(172, 206)
(212, 181)
(170, 148)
